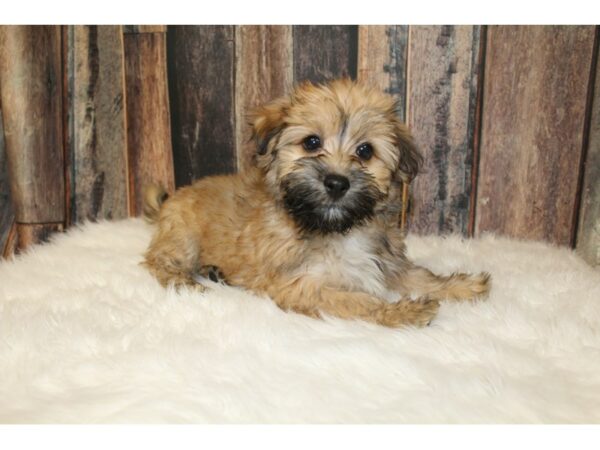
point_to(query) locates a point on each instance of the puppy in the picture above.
(314, 224)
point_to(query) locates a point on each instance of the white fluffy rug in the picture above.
(86, 335)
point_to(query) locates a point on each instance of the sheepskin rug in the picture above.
(87, 335)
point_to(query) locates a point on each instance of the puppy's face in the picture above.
(332, 153)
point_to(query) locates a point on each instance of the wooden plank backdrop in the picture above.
(588, 233)
(443, 70)
(7, 214)
(264, 71)
(535, 97)
(322, 52)
(148, 118)
(382, 59)
(506, 117)
(201, 76)
(98, 136)
(31, 97)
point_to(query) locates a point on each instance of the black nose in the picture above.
(336, 185)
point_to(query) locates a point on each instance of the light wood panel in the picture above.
(99, 175)
(264, 71)
(7, 215)
(31, 97)
(150, 156)
(443, 70)
(588, 234)
(382, 59)
(534, 107)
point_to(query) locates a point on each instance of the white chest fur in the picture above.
(347, 261)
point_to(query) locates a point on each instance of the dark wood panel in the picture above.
(382, 59)
(99, 183)
(536, 84)
(588, 233)
(67, 37)
(31, 97)
(7, 215)
(201, 83)
(443, 69)
(323, 52)
(263, 72)
(150, 154)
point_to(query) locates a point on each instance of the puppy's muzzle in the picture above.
(336, 185)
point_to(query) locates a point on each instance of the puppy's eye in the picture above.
(311, 143)
(364, 151)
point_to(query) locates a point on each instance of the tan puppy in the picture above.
(315, 224)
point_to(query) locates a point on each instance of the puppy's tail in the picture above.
(154, 197)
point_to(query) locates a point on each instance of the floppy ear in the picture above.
(410, 158)
(267, 121)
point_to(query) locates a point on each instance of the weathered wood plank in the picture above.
(201, 85)
(67, 37)
(99, 136)
(382, 59)
(323, 52)
(150, 156)
(31, 96)
(588, 233)
(30, 234)
(10, 245)
(442, 83)
(7, 215)
(263, 72)
(144, 29)
(477, 131)
(536, 83)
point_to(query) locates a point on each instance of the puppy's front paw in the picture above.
(481, 284)
(408, 312)
(213, 273)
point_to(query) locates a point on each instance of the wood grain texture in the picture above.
(201, 82)
(10, 245)
(31, 97)
(477, 132)
(127, 29)
(150, 156)
(264, 71)
(534, 106)
(382, 59)
(7, 215)
(30, 234)
(99, 180)
(67, 37)
(323, 52)
(588, 233)
(442, 91)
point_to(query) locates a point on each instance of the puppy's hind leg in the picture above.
(458, 286)
(173, 254)
(173, 260)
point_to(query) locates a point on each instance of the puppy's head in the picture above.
(333, 154)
